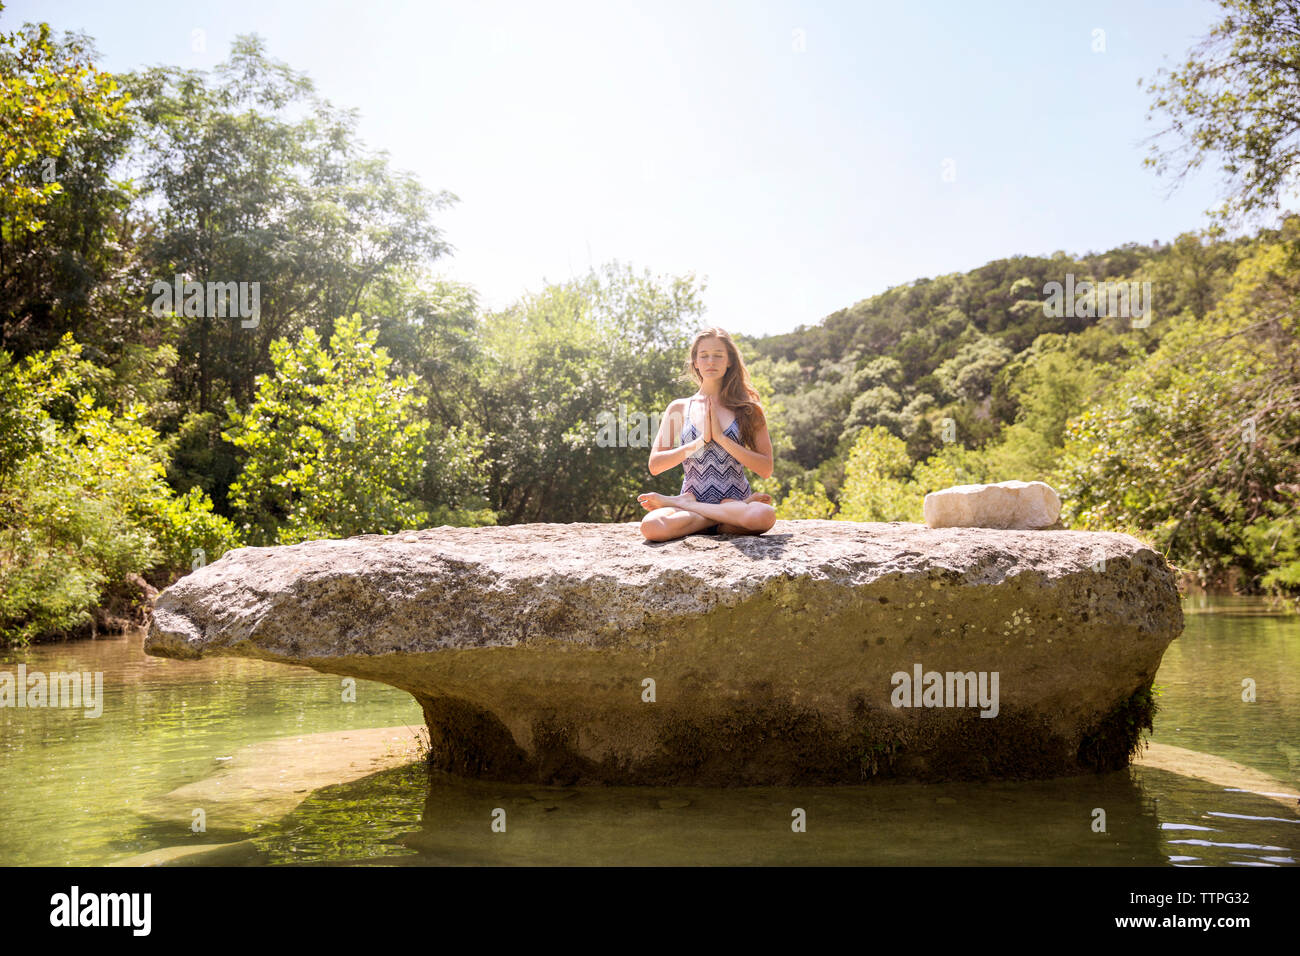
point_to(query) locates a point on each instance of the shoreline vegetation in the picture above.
(304, 372)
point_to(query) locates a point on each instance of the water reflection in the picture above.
(1148, 821)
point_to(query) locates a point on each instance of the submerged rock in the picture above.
(818, 652)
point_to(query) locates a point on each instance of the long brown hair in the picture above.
(737, 391)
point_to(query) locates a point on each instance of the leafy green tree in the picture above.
(1050, 384)
(880, 405)
(40, 84)
(1199, 444)
(332, 446)
(64, 238)
(430, 328)
(968, 375)
(815, 417)
(953, 464)
(260, 180)
(84, 506)
(559, 370)
(1192, 274)
(806, 504)
(881, 371)
(876, 479)
(1238, 98)
(882, 484)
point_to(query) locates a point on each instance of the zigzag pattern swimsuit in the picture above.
(713, 473)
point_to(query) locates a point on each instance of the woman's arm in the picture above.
(758, 460)
(665, 454)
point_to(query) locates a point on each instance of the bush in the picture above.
(332, 447)
(83, 500)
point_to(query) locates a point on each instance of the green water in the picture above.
(1226, 641)
(72, 788)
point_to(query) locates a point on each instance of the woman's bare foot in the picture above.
(651, 500)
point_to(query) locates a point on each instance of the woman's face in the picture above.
(711, 358)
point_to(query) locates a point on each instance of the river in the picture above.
(87, 790)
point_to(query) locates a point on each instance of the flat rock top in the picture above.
(791, 546)
(854, 552)
(866, 550)
(585, 577)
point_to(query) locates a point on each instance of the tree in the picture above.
(805, 504)
(557, 372)
(1050, 383)
(1237, 97)
(260, 180)
(64, 243)
(815, 417)
(882, 484)
(83, 501)
(875, 479)
(332, 446)
(879, 405)
(1192, 274)
(40, 83)
(968, 375)
(1199, 445)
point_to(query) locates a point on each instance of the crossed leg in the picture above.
(667, 523)
(674, 516)
(763, 521)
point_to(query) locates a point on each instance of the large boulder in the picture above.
(818, 652)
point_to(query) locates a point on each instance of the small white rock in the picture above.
(1007, 504)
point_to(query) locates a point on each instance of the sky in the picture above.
(795, 157)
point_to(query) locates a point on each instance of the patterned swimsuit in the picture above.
(713, 473)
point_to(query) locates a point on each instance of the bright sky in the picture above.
(792, 154)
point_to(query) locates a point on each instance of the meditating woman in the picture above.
(722, 431)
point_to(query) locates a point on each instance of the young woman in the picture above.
(723, 431)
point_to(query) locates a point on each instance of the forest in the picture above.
(222, 324)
